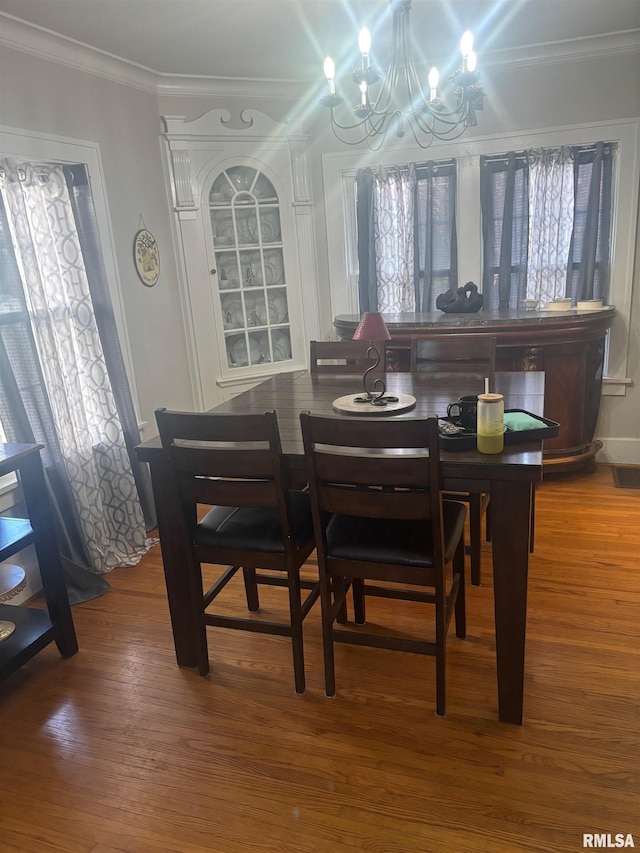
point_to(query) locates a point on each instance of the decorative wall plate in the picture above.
(146, 257)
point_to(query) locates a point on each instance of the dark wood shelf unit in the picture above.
(15, 534)
(567, 345)
(35, 627)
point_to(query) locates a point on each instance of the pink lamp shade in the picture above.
(371, 328)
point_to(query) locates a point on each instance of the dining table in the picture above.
(508, 477)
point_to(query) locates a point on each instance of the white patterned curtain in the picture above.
(60, 308)
(394, 200)
(551, 209)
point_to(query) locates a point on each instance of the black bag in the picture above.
(465, 300)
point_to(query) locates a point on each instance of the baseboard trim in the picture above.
(620, 450)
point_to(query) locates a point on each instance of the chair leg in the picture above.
(460, 612)
(196, 606)
(295, 610)
(326, 598)
(441, 657)
(532, 519)
(341, 617)
(202, 649)
(359, 606)
(251, 589)
(487, 522)
(475, 535)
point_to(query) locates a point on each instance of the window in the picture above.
(406, 236)
(546, 218)
(339, 171)
(437, 268)
(504, 195)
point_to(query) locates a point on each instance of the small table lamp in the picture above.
(372, 328)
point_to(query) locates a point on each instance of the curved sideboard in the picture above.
(567, 345)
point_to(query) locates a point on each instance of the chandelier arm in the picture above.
(448, 116)
(363, 123)
(436, 124)
(379, 125)
(414, 121)
(415, 92)
(366, 134)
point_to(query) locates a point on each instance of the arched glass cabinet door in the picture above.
(252, 288)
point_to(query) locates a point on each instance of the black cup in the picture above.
(464, 412)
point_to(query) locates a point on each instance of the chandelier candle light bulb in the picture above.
(434, 79)
(466, 48)
(330, 73)
(364, 45)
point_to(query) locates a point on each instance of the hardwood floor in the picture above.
(118, 749)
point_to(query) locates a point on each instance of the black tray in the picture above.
(467, 440)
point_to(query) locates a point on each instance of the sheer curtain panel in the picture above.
(551, 203)
(55, 383)
(393, 219)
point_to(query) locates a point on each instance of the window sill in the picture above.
(615, 387)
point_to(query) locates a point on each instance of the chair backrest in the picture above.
(225, 460)
(374, 469)
(344, 356)
(470, 354)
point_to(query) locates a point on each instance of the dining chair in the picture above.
(234, 464)
(342, 357)
(380, 519)
(474, 356)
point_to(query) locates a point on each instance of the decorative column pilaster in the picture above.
(305, 232)
(184, 202)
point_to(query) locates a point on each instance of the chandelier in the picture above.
(402, 104)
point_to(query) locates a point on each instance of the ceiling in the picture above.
(288, 39)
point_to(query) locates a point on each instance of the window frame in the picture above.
(23, 145)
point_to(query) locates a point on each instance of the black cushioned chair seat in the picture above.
(355, 538)
(255, 528)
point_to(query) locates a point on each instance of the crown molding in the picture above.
(48, 45)
(245, 87)
(45, 44)
(592, 47)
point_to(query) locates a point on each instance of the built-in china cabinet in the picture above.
(241, 195)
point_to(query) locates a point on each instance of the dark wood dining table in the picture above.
(508, 476)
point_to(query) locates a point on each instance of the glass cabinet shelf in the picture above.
(244, 212)
(262, 346)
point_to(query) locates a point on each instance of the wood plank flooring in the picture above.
(117, 749)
